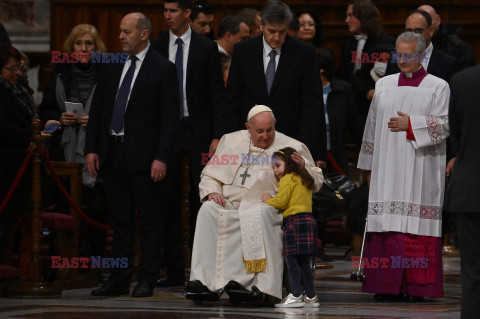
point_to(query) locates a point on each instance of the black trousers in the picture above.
(132, 197)
(468, 225)
(184, 145)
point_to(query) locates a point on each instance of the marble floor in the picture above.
(339, 298)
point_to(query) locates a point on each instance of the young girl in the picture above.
(294, 198)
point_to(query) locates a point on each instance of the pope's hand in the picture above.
(298, 158)
(217, 198)
(266, 197)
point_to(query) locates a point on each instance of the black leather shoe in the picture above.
(388, 297)
(110, 288)
(408, 298)
(169, 281)
(238, 294)
(143, 289)
(198, 292)
(196, 287)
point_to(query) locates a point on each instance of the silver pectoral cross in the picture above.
(244, 175)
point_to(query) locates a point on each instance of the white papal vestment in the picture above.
(218, 250)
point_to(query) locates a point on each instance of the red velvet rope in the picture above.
(67, 196)
(334, 164)
(20, 173)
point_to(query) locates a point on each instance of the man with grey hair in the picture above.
(277, 70)
(238, 239)
(436, 62)
(404, 147)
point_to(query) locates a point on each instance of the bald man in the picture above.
(447, 39)
(129, 139)
(436, 62)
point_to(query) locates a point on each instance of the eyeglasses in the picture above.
(14, 69)
(417, 30)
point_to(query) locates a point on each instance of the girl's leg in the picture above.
(293, 274)
(307, 274)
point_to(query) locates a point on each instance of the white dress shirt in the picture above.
(428, 54)
(172, 51)
(266, 58)
(221, 49)
(140, 56)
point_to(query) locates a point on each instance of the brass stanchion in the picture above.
(33, 287)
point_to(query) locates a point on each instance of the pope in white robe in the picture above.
(238, 237)
(404, 147)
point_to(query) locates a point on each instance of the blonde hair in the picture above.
(80, 30)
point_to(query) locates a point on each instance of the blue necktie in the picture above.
(270, 74)
(122, 98)
(179, 65)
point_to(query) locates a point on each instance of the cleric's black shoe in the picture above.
(408, 298)
(388, 297)
(143, 289)
(169, 281)
(198, 292)
(111, 289)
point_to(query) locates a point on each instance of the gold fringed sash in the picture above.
(256, 265)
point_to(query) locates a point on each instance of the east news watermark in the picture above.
(393, 57)
(83, 57)
(94, 262)
(392, 262)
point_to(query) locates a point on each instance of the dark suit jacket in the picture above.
(345, 69)
(463, 193)
(294, 96)
(441, 65)
(343, 118)
(205, 89)
(152, 108)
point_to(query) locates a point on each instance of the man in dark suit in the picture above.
(436, 62)
(463, 192)
(129, 137)
(199, 74)
(277, 70)
(447, 38)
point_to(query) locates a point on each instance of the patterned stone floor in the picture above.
(339, 297)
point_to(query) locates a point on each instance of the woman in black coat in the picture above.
(17, 110)
(76, 82)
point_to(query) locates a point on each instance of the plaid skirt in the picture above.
(300, 234)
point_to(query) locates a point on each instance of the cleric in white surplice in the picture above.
(404, 147)
(238, 238)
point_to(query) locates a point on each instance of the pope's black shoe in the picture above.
(238, 294)
(111, 288)
(198, 292)
(143, 289)
(169, 281)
